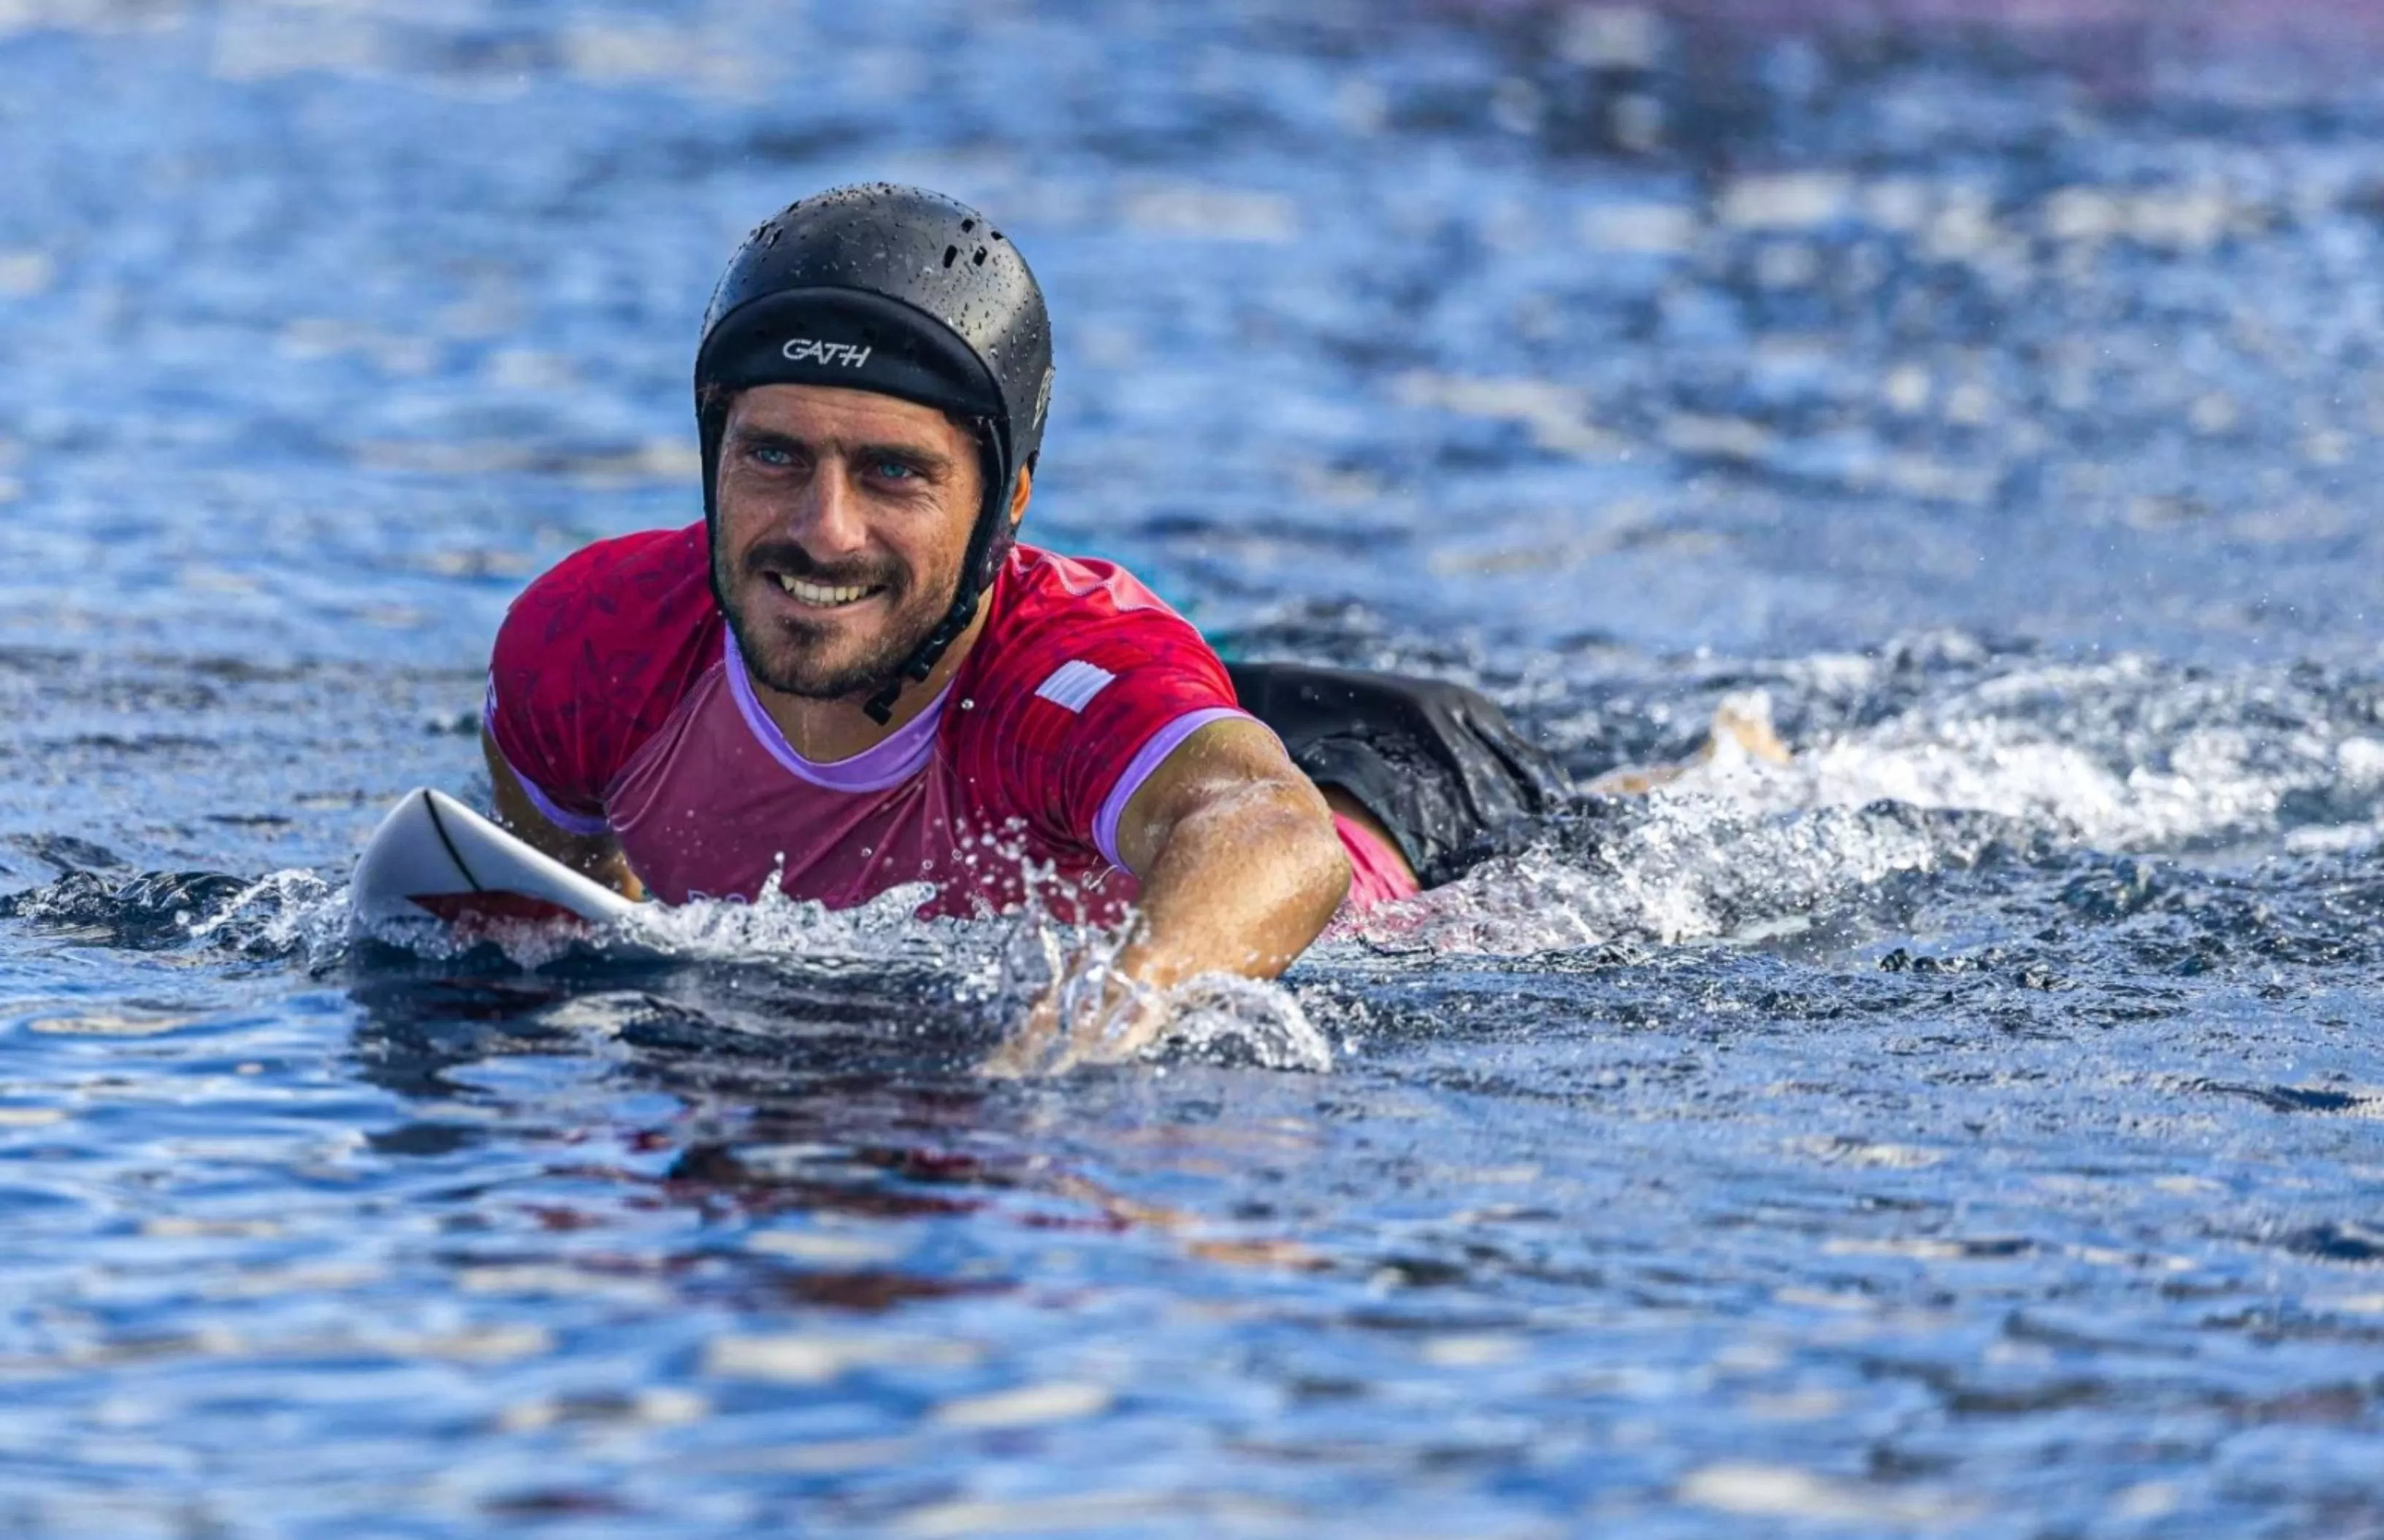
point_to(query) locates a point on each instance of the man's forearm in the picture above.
(1240, 870)
(1242, 884)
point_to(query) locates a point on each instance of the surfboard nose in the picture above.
(432, 856)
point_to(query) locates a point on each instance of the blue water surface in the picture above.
(1967, 1128)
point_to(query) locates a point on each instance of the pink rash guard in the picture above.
(618, 699)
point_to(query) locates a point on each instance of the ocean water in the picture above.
(1966, 1129)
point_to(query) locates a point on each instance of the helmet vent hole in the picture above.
(952, 254)
(967, 225)
(980, 256)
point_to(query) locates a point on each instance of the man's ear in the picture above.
(1019, 499)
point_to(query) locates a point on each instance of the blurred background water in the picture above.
(1966, 1129)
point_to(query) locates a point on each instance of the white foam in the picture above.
(997, 967)
(2122, 755)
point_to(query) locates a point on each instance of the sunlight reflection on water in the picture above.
(1962, 1128)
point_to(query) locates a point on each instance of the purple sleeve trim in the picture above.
(1152, 755)
(569, 823)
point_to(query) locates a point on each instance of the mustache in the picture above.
(788, 557)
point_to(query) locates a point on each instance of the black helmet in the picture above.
(906, 292)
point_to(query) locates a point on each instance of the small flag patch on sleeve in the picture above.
(1073, 684)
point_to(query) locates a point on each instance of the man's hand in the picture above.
(1240, 870)
(1092, 1013)
(598, 857)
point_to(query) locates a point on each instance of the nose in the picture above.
(827, 520)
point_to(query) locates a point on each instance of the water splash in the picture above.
(1679, 867)
(1223, 1018)
(2025, 756)
(886, 931)
(287, 914)
(1083, 1008)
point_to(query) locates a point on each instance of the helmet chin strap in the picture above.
(985, 541)
(931, 652)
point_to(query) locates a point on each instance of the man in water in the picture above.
(850, 676)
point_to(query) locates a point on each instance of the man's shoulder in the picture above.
(1063, 623)
(1048, 578)
(643, 584)
(1045, 587)
(608, 640)
(1080, 671)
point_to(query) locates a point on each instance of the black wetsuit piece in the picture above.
(1438, 764)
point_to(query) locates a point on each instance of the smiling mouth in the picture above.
(824, 596)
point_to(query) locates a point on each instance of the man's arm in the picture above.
(1239, 866)
(1240, 870)
(597, 856)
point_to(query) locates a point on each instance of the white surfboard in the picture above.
(432, 855)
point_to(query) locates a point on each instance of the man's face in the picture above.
(844, 518)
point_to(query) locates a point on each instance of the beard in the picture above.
(795, 657)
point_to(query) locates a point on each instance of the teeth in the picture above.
(819, 593)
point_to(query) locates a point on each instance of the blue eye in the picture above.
(770, 455)
(894, 470)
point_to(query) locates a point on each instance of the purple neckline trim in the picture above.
(562, 819)
(1148, 758)
(889, 763)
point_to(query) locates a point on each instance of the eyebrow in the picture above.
(929, 461)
